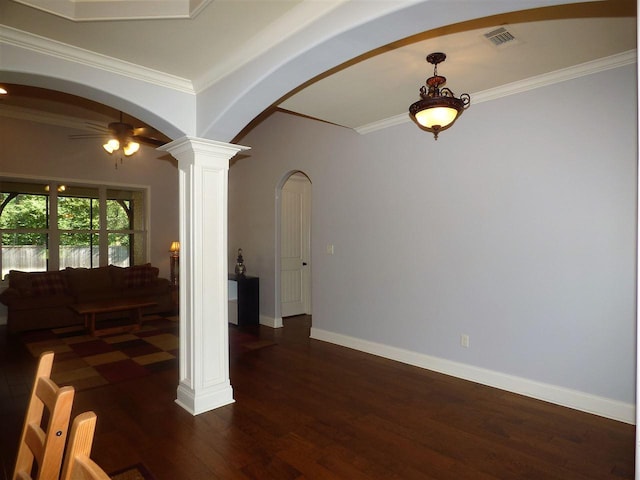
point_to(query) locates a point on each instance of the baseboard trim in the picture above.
(577, 400)
(271, 321)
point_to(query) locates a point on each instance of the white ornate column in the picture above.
(204, 346)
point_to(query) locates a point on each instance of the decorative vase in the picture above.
(240, 268)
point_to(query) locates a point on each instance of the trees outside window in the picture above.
(50, 226)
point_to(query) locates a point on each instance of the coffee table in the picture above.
(90, 309)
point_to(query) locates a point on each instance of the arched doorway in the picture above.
(294, 259)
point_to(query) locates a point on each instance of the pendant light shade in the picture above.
(438, 108)
(437, 115)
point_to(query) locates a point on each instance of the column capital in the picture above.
(189, 150)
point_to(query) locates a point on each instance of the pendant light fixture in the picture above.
(439, 107)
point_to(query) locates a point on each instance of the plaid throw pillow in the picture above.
(50, 283)
(138, 276)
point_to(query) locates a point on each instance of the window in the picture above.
(50, 226)
(79, 227)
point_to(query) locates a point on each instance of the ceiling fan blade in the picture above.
(86, 135)
(97, 126)
(150, 133)
(122, 131)
(149, 140)
(145, 132)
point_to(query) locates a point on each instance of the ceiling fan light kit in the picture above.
(129, 147)
(438, 108)
(123, 137)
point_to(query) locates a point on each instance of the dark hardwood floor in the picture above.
(308, 409)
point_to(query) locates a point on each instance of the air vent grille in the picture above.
(499, 36)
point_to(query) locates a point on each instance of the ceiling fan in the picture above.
(123, 136)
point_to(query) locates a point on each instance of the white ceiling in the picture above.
(369, 90)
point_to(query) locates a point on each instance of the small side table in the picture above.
(248, 298)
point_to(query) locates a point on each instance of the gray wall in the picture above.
(41, 150)
(517, 227)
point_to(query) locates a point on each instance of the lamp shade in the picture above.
(175, 247)
(112, 145)
(130, 148)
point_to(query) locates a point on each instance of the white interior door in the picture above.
(295, 238)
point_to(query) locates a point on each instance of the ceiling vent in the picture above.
(499, 37)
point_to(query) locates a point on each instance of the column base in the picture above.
(202, 401)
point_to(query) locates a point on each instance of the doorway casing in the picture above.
(299, 176)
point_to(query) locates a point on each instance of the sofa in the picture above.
(39, 300)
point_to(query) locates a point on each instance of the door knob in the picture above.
(304, 264)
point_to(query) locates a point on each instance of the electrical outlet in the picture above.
(330, 249)
(464, 341)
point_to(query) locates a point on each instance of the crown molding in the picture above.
(588, 68)
(546, 79)
(384, 123)
(63, 51)
(102, 10)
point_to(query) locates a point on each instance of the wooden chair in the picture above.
(77, 462)
(45, 446)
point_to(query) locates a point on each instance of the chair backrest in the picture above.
(77, 462)
(44, 445)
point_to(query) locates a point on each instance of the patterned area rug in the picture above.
(136, 472)
(87, 362)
